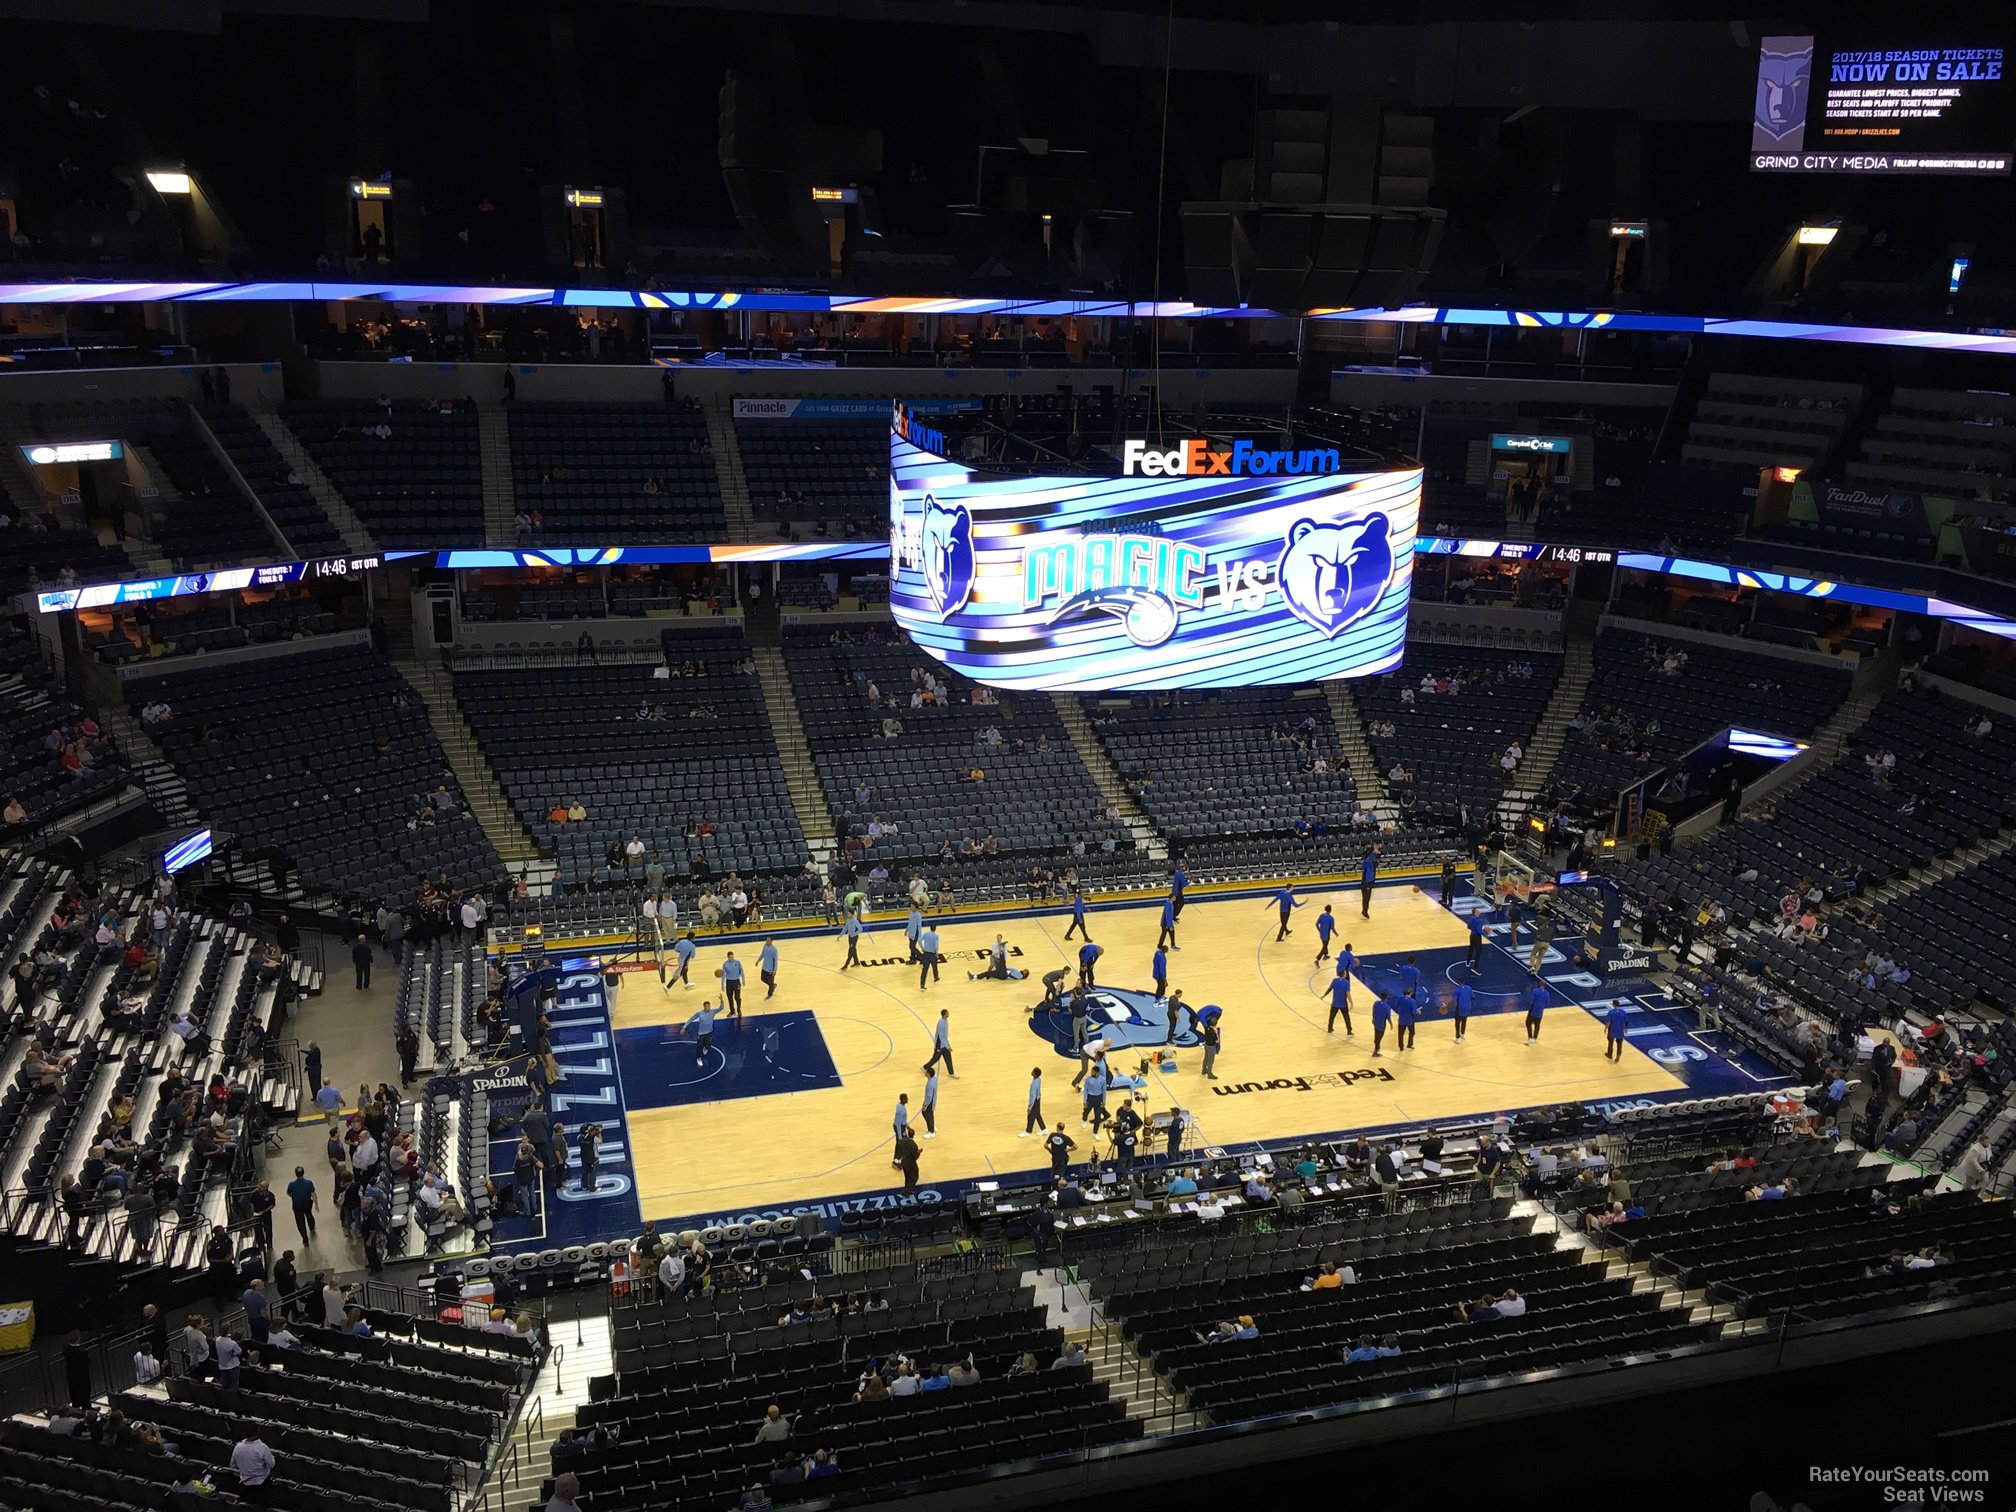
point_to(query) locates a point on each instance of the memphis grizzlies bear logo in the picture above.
(1332, 576)
(948, 555)
(1124, 1018)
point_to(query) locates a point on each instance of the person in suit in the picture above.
(361, 957)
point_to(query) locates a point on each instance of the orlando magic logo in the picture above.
(1332, 576)
(1147, 616)
(1124, 1018)
(948, 555)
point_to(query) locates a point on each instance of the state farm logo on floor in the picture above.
(1322, 1080)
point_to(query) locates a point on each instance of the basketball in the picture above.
(719, 973)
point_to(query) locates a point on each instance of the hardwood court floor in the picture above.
(716, 1154)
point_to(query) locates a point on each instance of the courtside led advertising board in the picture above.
(1208, 566)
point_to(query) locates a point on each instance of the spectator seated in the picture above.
(601, 473)
(1450, 719)
(805, 473)
(413, 472)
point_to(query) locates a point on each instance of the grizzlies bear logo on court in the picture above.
(1332, 576)
(948, 555)
(1124, 1018)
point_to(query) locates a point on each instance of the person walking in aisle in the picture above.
(908, 1152)
(1078, 914)
(927, 957)
(360, 957)
(1538, 1000)
(930, 1106)
(1060, 1146)
(766, 964)
(1382, 1015)
(1616, 1025)
(1543, 936)
(1035, 1120)
(851, 928)
(683, 950)
(1211, 1043)
(941, 1044)
(730, 972)
(1088, 963)
(1340, 1002)
(1459, 1004)
(1167, 936)
(302, 1196)
(1326, 926)
(1158, 968)
(1368, 878)
(1284, 899)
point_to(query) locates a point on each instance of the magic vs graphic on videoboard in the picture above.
(1901, 105)
(1202, 565)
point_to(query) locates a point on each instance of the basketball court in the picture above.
(792, 1106)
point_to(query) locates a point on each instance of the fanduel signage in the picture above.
(1197, 458)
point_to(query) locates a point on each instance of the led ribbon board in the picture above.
(1260, 571)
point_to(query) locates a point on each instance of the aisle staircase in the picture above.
(1351, 743)
(808, 798)
(1106, 777)
(1550, 735)
(465, 756)
(500, 497)
(728, 471)
(151, 768)
(356, 535)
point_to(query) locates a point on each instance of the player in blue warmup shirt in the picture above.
(1382, 1015)
(1410, 975)
(1088, 963)
(1537, 1001)
(1179, 879)
(1368, 874)
(1474, 952)
(1617, 1023)
(766, 964)
(730, 972)
(1326, 926)
(703, 1031)
(1406, 1009)
(1167, 937)
(1285, 900)
(913, 930)
(926, 946)
(1347, 960)
(1158, 968)
(1078, 916)
(1340, 1002)
(685, 948)
(851, 927)
(1459, 1002)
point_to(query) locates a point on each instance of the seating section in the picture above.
(1449, 717)
(39, 732)
(200, 516)
(1829, 1253)
(1410, 1269)
(1750, 422)
(911, 767)
(1938, 441)
(839, 467)
(322, 756)
(192, 626)
(586, 467)
(1232, 766)
(696, 1377)
(705, 755)
(291, 504)
(1637, 716)
(37, 550)
(420, 485)
(1854, 814)
(404, 1418)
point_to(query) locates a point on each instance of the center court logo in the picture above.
(1124, 1018)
